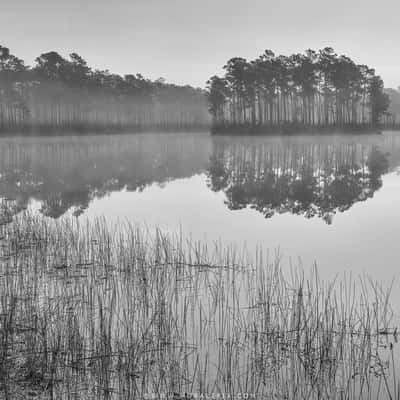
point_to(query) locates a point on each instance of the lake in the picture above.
(220, 303)
(331, 200)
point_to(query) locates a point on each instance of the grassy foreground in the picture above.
(90, 312)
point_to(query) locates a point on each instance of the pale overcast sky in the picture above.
(187, 41)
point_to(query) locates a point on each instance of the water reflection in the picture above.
(311, 179)
(310, 176)
(68, 173)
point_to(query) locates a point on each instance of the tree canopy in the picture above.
(58, 93)
(316, 89)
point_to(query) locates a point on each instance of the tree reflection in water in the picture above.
(68, 173)
(299, 178)
(305, 176)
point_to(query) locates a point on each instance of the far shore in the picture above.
(100, 130)
(241, 129)
(216, 130)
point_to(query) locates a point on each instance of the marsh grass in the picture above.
(89, 311)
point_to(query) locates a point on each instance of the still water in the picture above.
(330, 200)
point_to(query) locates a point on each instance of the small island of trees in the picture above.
(315, 91)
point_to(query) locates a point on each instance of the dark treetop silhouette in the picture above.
(67, 94)
(311, 91)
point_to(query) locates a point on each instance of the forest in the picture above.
(316, 90)
(67, 94)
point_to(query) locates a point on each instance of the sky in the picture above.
(187, 41)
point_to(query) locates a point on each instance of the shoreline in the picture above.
(221, 130)
(100, 131)
(293, 130)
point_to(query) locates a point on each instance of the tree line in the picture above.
(66, 93)
(314, 90)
